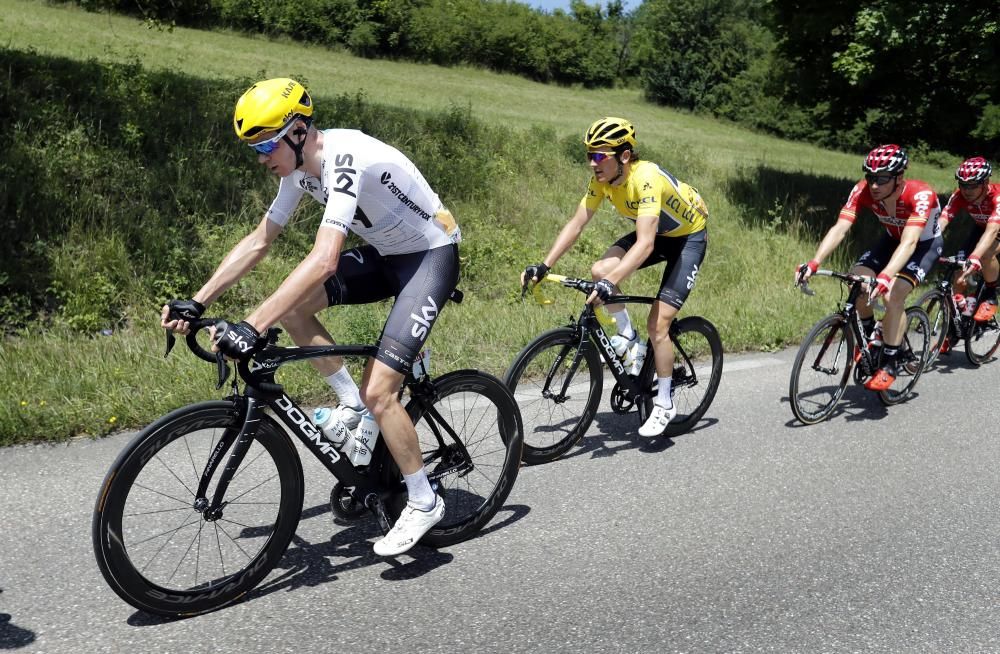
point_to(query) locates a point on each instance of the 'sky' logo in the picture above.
(422, 323)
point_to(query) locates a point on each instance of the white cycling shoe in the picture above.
(657, 421)
(410, 528)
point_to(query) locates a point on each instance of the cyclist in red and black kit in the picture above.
(981, 200)
(903, 255)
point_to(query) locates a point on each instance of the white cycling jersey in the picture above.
(372, 189)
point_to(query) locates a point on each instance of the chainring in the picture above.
(620, 402)
(343, 505)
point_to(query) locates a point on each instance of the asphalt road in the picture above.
(876, 531)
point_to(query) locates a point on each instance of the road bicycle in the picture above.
(200, 506)
(949, 323)
(558, 379)
(838, 344)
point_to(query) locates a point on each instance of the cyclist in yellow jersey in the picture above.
(670, 219)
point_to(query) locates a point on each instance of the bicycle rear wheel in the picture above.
(938, 309)
(821, 370)
(558, 389)
(159, 553)
(982, 340)
(696, 376)
(470, 434)
(914, 352)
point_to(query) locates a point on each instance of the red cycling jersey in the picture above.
(916, 205)
(983, 212)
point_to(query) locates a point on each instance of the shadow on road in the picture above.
(12, 636)
(856, 405)
(312, 564)
(621, 433)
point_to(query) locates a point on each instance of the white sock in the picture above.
(663, 392)
(624, 324)
(345, 388)
(419, 491)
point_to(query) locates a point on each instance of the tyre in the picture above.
(161, 555)
(938, 310)
(821, 369)
(696, 377)
(915, 349)
(471, 438)
(982, 340)
(558, 389)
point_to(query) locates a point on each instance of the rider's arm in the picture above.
(240, 260)
(645, 232)
(986, 240)
(832, 239)
(949, 211)
(316, 268)
(568, 235)
(907, 244)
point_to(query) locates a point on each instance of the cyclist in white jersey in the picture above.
(372, 189)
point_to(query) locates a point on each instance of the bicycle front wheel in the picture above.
(821, 370)
(155, 544)
(914, 352)
(696, 375)
(938, 310)
(558, 389)
(470, 434)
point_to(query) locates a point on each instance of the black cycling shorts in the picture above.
(924, 256)
(421, 282)
(683, 255)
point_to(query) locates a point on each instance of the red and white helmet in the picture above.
(889, 158)
(976, 169)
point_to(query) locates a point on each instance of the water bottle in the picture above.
(363, 441)
(622, 347)
(970, 306)
(637, 358)
(959, 301)
(332, 427)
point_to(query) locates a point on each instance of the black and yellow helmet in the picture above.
(615, 133)
(270, 105)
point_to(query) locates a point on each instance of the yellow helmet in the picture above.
(611, 133)
(270, 105)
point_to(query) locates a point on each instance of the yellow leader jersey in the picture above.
(651, 191)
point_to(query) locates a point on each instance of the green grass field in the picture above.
(770, 201)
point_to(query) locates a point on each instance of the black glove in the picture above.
(604, 289)
(185, 309)
(237, 341)
(538, 270)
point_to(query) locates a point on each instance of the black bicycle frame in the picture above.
(589, 331)
(262, 391)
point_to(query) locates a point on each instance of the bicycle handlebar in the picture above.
(849, 278)
(585, 286)
(191, 338)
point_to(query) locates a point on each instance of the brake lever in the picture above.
(804, 287)
(170, 342)
(223, 368)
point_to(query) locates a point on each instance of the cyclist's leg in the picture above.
(991, 273)
(425, 281)
(685, 256)
(608, 262)
(870, 263)
(924, 256)
(358, 280)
